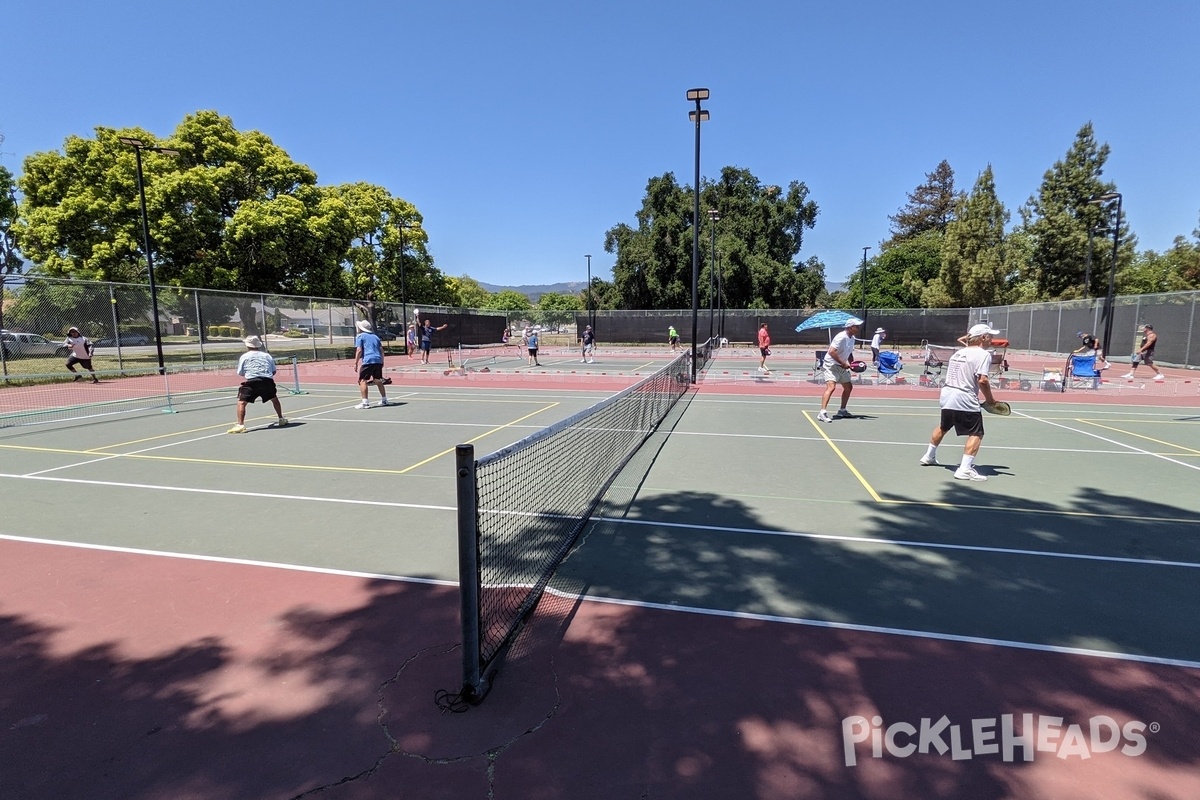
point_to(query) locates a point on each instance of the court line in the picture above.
(835, 537)
(916, 634)
(842, 456)
(665, 607)
(229, 492)
(1139, 436)
(484, 435)
(1111, 441)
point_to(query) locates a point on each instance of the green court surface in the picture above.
(1082, 538)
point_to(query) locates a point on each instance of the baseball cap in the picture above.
(852, 321)
(981, 329)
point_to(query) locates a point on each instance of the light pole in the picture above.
(1106, 342)
(713, 216)
(1087, 265)
(864, 289)
(697, 116)
(138, 146)
(403, 288)
(588, 297)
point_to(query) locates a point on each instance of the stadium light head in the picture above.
(131, 141)
(697, 94)
(703, 115)
(1104, 198)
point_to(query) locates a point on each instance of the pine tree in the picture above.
(930, 206)
(974, 266)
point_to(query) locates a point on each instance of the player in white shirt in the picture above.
(966, 378)
(837, 369)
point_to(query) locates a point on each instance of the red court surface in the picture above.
(146, 677)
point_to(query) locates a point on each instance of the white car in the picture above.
(26, 345)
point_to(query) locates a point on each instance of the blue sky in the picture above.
(523, 131)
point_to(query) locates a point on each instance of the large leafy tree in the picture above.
(466, 292)
(973, 270)
(1177, 269)
(1057, 220)
(759, 234)
(10, 261)
(930, 206)
(897, 276)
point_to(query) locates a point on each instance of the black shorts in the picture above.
(766, 351)
(257, 388)
(85, 362)
(370, 372)
(965, 423)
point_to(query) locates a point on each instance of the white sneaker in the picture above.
(926, 461)
(1159, 379)
(363, 404)
(969, 474)
(583, 361)
(237, 429)
(384, 402)
(823, 417)
(1128, 376)
(282, 422)
(843, 414)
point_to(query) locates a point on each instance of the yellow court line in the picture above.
(188, 431)
(846, 461)
(185, 460)
(482, 435)
(1139, 436)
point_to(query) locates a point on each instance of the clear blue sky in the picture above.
(523, 131)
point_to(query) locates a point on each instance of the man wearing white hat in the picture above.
(258, 368)
(876, 341)
(368, 362)
(966, 378)
(837, 370)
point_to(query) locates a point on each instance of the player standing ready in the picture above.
(258, 368)
(589, 342)
(966, 379)
(368, 362)
(764, 347)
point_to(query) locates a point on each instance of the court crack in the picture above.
(491, 754)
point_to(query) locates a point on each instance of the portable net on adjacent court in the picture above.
(38, 398)
(521, 509)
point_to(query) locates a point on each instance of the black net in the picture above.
(534, 497)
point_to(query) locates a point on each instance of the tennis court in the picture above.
(764, 606)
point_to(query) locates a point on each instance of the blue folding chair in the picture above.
(889, 366)
(1082, 373)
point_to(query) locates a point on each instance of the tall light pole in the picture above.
(400, 225)
(1106, 342)
(713, 216)
(864, 289)
(138, 146)
(588, 297)
(697, 116)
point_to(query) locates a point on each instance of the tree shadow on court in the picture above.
(216, 717)
(903, 631)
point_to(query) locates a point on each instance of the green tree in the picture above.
(556, 309)
(974, 270)
(1057, 220)
(930, 206)
(509, 300)
(759, 234)
(10, 260)
(467, 293)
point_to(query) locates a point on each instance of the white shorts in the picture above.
(836, 373)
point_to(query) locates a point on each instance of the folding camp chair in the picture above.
(819, 366)
(1082, 373)
(889, 366)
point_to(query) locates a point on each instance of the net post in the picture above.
(166, 376)
(296, 377)
(468, 571)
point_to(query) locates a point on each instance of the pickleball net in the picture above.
(522, 508)
(478, 357)
(32, 399)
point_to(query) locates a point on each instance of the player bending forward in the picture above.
(966, 379)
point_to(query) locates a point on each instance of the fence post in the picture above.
(1187, 352)
(199, 324)
(112, 302)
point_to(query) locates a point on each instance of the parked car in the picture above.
(27, 345)
(127, 340)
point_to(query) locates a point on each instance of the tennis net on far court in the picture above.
(33, 398)
(522, 508)
(472, 357)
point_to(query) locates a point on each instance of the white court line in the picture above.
(941, 637)
(1112, 441)
(230, 492)
(711, 612)
(832, 537)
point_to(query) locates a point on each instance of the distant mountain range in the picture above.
(534, 293)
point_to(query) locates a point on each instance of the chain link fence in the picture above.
(1055, 327)
(199, 326)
